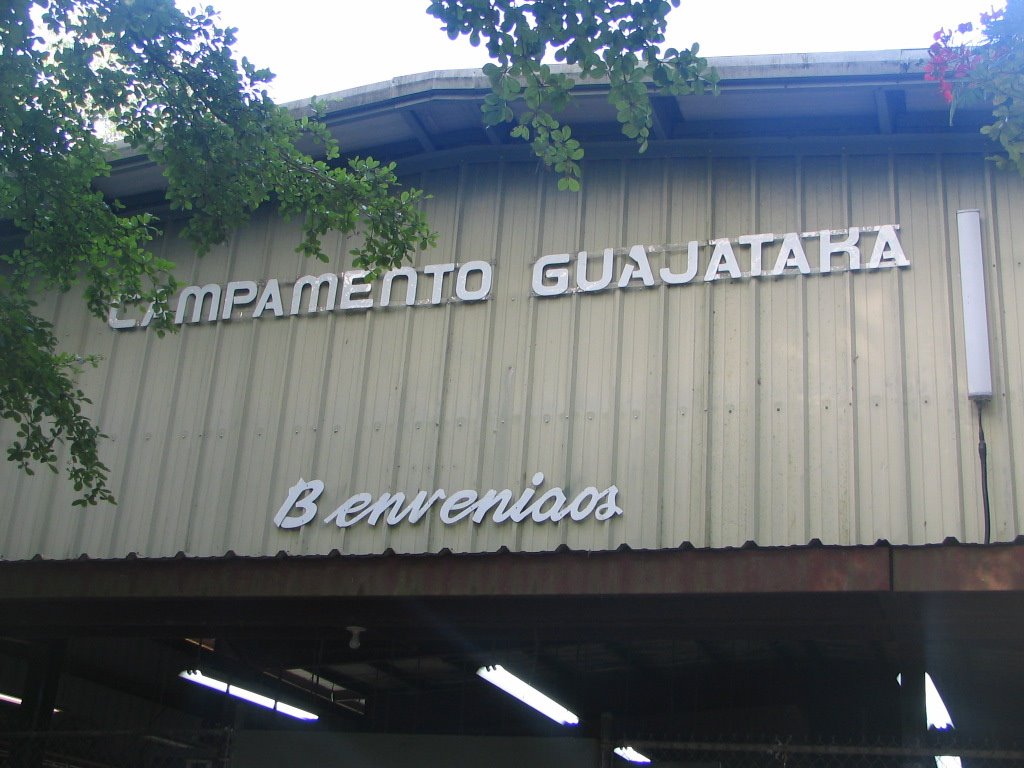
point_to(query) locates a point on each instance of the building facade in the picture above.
(719, 399)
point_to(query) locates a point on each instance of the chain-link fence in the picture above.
(116, 749)
(786, 753)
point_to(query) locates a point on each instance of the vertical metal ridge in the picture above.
(137, 425)
(663, 510)
(571, 414)
(206, 424)
(958, 415)
(498, 216)
(805, 411)
(709, 538)
(618, 342)
(43, 520)
(531, 358)
(117, 536)
(130, 451)
(856, 529)
(324, 390)
(581, 333)
(12, 489)
(286, 386)
(224, 530)
(390, 538)
(403, 411)
(574, 334)
(445, 361)
(756, 501)
(908, 509)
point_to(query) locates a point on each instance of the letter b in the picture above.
(296, 500)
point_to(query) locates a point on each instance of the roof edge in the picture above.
(732, 69)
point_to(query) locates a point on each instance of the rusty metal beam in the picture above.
(662, 572)
(701, 592)
(959, 568)
(881, 568)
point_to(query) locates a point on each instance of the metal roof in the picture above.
(874, 100)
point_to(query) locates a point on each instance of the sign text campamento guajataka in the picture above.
(748, 257)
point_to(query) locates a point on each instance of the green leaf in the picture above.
(168, 83)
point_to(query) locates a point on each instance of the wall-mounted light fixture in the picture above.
(972, 287)
(976, 344)
(355, 637)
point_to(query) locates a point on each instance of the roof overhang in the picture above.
(875, 101)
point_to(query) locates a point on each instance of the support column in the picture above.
(606, 740)
(38, 698)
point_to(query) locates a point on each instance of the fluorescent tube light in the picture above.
(630, 754)
(195, 676)
(300, 714)
(501, 678)
(247, 695)
(8, 699)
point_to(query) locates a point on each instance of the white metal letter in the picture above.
(791, 255)
(555, 512)
(515, 513)
(271, 297)
(198, 294)
(296, 500)
(672, 278)
(642, 269)
(117, 323)
(460, 502)
(352, 285)
(438, 271)
(416, 508)
(756, 243)
(351, 511)
(315, 284)
(722, 259)
(888, 252)
(410, 281)
(577, 509)
(462, 292)
(609, 508)
(237, 293)
(607, 262)
(542, 275)
(848, 246)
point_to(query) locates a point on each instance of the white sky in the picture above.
(317, 47)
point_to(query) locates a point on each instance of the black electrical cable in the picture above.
(983, 455)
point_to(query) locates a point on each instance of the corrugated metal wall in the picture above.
(774, 410)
